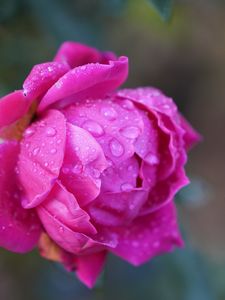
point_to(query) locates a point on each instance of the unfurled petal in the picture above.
(87, 81)
(76, 54)
(89, 267)
(19, 229)
(83, 164)
(64, 207)
(66, 232)
(191, 136)
(41, 157)
(164, 191)
(12, 107)
(117, 209)
(149, 236)
(42, 77)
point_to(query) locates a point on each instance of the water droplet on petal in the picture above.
(29, 132)
(127, 104)
(93, 127)
(53, 151)
(130, 132)
(109, 113)
(151, 159)
(77, 169)
(50, 131)
(61, 229)
(36, 151)
(126, 187)
(116, 148)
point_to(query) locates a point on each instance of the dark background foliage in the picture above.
(178, 46)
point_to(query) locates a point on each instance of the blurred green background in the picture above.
(185, 57)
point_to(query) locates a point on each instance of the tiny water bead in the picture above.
(29, 132)
(109, 113)
(125, 187)
(94, 128)
(116, 148)
(50, 131)
(130, 132)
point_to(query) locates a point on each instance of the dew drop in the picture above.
(152, 159)
(36, 151)
(61, 229)
(50, 131)
(130, 132)
(126, 187)
(127, 104)
(94, 128)
(109, 113)
(29, 132)
(53, 151)
(77, 169)
(116, 148)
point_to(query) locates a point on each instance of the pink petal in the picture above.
(122, 177)
(65, 208)
(76, 54)
(164, 191)
(12, 107)
(151, 235)
(65, 232)
(91, 80)
(114, 125)
(84, 161)
(19, 229)
(117, 209)
(41, 157)
(89, 267)
(191, 136)
(42, 77)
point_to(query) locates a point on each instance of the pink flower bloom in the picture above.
(86, 169)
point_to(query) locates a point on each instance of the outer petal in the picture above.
(164, 191)
(76, 54)
(12, 107)
(87, 81)
(65, 208)
(64, 231)
(149, 236)
(41, 157)
(89, 267)
(19, 229)
(42, 77)
(191, 136)
(83, 163)
(117, 209)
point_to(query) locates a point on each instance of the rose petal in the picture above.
(121, 177)
(191, 136)
(91, 80)
(19, 229)
(12, 107)
(164, 191)
(117, 209)
(76, 54)
(66, 235)
(115, 126)
(84, 161)
(89, 267)
(64, 207)
(41, 157)
(42, 77)
(149, 236)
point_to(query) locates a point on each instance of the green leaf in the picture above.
(163, 7)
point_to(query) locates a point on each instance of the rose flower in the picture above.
(86, 169)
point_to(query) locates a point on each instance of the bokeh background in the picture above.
(185, 57)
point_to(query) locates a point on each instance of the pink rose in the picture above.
(87, 169)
